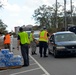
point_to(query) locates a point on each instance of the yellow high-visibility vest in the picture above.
(31, 36)
(43, 36)
(24, 37)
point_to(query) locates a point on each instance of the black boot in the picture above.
(45, 56)
(32, 53)
(35, 53)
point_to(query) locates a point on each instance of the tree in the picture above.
(59, 14)
(42, 15)
(74, 14)
(2, 27)
(46, 15)
(1, 4)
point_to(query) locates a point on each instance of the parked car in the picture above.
(28, 33)
(62, 43)
(72, 29)
(36, 36)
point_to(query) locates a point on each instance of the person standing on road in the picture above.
(32, 43)
(43, 42)
(23, 41)
(7, 40)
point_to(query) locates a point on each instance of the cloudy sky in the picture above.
(19, 12)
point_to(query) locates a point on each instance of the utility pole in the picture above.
(56, 23)
(71, 12)
(65, 25)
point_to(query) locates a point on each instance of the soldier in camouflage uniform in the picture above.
(32, 43)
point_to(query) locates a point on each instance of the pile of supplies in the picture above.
(8, 59)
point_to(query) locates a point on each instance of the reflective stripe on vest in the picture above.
(43, 36)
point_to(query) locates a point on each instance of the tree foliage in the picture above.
(59, 14)
(46, 16)
(2, 27)
(42, 15)
(1, 4)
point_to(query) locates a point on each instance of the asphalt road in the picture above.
(43, 66)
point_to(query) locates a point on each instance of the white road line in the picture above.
(43, 74)
(25, 71)
(40, 66)
(33, 64)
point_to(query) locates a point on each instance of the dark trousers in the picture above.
(25, 54)
(42, 46)
(7, 46)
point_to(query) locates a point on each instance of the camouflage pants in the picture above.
(33, 46)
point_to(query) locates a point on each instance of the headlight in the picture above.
(60, 47)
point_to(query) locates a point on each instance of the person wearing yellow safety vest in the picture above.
(23, 41)
(32, 43)
(43, 40)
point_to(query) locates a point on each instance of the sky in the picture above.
(19, 12)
